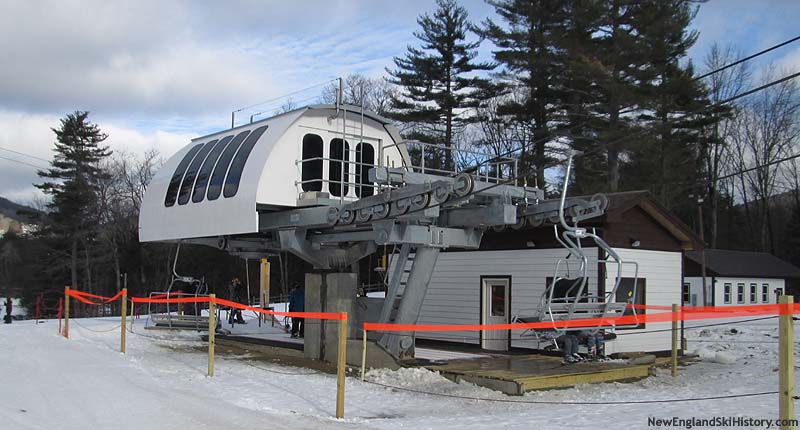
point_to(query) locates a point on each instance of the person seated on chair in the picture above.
(568, 343)
(297, 303)
(595, 342)
(235, 294)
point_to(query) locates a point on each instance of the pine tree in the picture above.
(530, 49)
(439, 80)
(72, 182)
(674, 107)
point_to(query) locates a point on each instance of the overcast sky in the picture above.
(156, 73)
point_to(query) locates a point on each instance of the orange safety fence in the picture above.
(310, 315)
(164, 298)
(82, 297)
(626, 320)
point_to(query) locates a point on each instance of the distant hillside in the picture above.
(10, 209)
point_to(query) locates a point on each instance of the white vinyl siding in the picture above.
(453, 296)
(723, 288)
(662, 270)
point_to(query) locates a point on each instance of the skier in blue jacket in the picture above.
(297, 303)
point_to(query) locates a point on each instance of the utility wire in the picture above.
(24, 154)
(645, 131)
(599, 148)
(748, 58)
(286, 95)
(22, 162)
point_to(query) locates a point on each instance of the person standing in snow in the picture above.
(297, 303)
(9, 307)
(235, 294)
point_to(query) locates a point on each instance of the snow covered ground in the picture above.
(48, 382)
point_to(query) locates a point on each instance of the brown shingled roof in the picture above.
(724, 262)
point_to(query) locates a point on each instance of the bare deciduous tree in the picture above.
(721, 86)
(374, 93)
(766, 130)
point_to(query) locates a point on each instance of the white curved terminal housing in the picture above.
(216, 184)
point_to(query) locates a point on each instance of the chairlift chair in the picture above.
(577, 304)
(193, 320)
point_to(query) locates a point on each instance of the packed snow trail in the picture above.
(48, 382)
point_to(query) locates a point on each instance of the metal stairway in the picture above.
(408, 284)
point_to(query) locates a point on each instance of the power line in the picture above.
(24, 154)
(606, 145)
(737, 62)
(285, 95)
(704, 108)
(755, 90)
(22, 162)
(740, 61)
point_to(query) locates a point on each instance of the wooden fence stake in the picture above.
(66, 312)
(364, 357)
(675, 340)
(123, 315)
(786, 361)
(212, 327)
(342, 362)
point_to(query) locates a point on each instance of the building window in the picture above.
(312, 169)
(764, 293)
(498, 305)
(187, 186)
(204, 175)
(726, 294)
(237, 166)
(740, 293)
(175, 182)
(632, 293)
(338, 172)
(365, 160)
(753, 293)
(224, 162)
(686, 293)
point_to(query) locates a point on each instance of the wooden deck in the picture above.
(517, 374)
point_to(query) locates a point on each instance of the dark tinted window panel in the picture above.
(237, 167)
(365, 153)
(201, 183)
(218, 177)
(336, 169)
(191, 173)
(312, 170)
(204, 176)
(175, 182)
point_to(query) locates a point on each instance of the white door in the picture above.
(495, 310)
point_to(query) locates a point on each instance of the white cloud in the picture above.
(31, 134)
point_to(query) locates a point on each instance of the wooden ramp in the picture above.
(517, 374)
